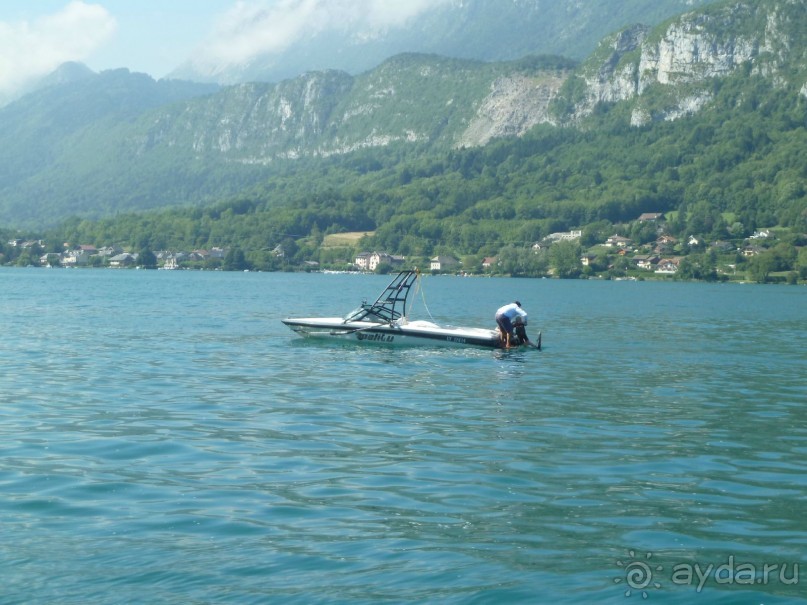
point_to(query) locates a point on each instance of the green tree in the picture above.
(235, 260)
(786, 256)
(564, 257)
(514, 261)
(147, 259)
(644, 232)
(27, 257)
(761, 266)
(596, 233)
(698, 266)
(620, 267)
(802, 263)
(701, 219)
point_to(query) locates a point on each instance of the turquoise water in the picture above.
(165, 439)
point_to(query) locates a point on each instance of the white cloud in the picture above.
(32, 49)
(259, 27)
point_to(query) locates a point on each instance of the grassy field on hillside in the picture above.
(342, 240)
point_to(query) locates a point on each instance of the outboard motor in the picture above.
(521, 335)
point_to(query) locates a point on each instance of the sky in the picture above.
(157, 36)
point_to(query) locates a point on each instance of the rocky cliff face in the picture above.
(690, 52)
(686, 54)
(411, 98)
(680, 58)
(252, 122)
(515, 104)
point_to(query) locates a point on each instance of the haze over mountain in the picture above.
(291, 38)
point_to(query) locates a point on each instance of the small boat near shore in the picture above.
(385, 321)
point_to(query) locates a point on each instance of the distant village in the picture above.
(86, 255)
(662, 256)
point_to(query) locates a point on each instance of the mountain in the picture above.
(485, 30)
(64, 139)
(65, 74)
(121, 141)
(118, 141)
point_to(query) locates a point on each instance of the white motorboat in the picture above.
(385, 322)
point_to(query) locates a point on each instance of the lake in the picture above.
(165, 439)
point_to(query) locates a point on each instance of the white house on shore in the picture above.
(369, 261)
(443, 263)
(668, 266)
(77, 257)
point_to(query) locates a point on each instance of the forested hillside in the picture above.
(722, 174)
(117, 141)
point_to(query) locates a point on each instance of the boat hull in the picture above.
(408, 334)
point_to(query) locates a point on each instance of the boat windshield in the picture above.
(357, 314)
